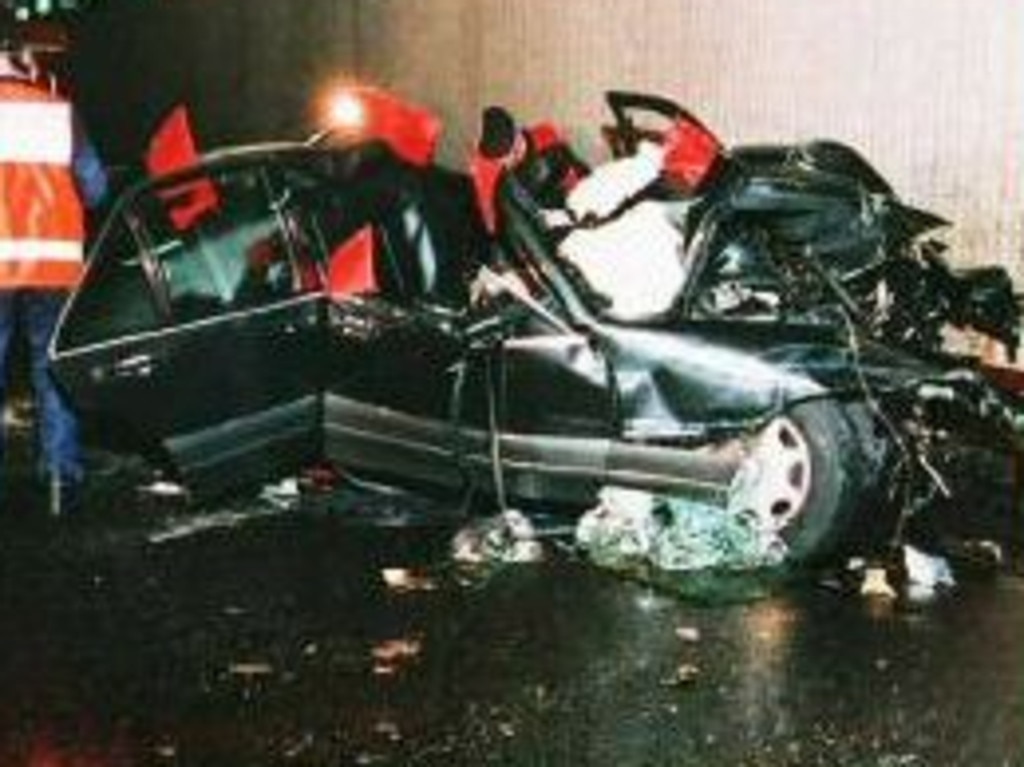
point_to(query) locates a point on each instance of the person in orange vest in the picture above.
(48, 169)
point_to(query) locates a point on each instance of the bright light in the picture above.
(347, 112)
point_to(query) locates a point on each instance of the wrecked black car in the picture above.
(804, 233)
(276, 305)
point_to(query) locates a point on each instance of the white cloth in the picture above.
(608, 186)
(636, 260)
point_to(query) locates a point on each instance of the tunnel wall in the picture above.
(932, 91)
(245, 68)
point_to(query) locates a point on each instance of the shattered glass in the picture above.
(631, 528)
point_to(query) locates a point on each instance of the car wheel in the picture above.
(801, 479)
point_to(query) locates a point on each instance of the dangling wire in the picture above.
(911, 458)
(460, 370)
(497, 470)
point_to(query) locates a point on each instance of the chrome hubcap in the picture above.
(774, 481)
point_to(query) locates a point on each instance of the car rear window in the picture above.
(236, 252)
(115, 299)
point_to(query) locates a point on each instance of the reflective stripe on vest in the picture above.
(37, 132)
(41, 226)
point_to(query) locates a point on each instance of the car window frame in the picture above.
(118, 214)
(277, 201)
(125, 211)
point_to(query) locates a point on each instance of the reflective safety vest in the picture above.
(42, 230)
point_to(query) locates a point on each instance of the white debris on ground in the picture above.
(402, 580)
(506, 538)
(390, 656)
(632, 527)
(918, 577)
(620, 529)
(875, 583)
(927, 574)
(286, 494)
(162, 488)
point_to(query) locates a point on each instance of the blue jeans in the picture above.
(37, 312)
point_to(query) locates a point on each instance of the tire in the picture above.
(803, 479)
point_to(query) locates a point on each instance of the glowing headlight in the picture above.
(347, 112)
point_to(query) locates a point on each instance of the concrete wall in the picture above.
(931, 90)
(246, 68)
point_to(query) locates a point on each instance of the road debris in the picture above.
(688, 633)
(927, 574)
(285, 494)
(250, 669)
(390, 655)
(402, 580)
(684, 674)
(876, 584)
(632, 527)
(507, 538)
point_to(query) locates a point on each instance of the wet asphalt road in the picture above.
(296, 637)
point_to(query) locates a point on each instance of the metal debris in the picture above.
(505, 538)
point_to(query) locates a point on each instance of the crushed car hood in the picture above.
(720, 377)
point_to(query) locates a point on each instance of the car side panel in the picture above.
(226, 382)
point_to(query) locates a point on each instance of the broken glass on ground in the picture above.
(689, 547)
(673, 533)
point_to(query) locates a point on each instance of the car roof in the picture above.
(239, 154)
(248, 151)
(242, 154)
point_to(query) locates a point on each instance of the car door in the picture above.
(421, 392)
(545, 388)
(417, 385)
(388, 400)
(392, 240)
(197, 329)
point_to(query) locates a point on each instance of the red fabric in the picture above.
(485, 173)
(173, 148)
(544, 136)
(690, 153)
(351, 266)
(410, 130)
